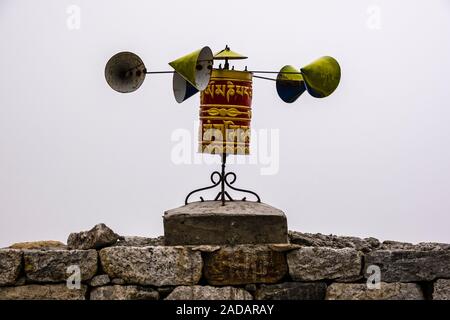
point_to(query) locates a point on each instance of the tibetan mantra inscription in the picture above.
(225, 113)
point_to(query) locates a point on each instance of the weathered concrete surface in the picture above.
(243, 264)
(123, 293)
(51, 266)
(43, 292)
(10, 266)
(387, 291)
(410, 265)
(292, 291)
(320, 263)
(441, 289)
(98, 237)
(238, 222)
(157, 266)
(208, 293)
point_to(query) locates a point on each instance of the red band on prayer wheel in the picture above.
(225, 113)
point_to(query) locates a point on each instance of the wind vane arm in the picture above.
(125, 72)
(158, 72)
(320, 78)
(264, 78)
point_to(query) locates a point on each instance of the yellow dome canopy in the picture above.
(228, 54)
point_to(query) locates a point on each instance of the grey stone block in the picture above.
(10, 266)
(156, 266)
(98, 237)
(410, 265)
(100, 280)
(387, 291)
(208, 293)
(43, 292)
(123, 293)
(244, 264)
(238, 222)
(320, 263)
(441, 289)
(292, 291)
(52, 266)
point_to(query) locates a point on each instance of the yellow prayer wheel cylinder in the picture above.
(225, 113)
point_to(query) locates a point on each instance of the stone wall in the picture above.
(308, 267)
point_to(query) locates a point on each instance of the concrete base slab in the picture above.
(237, 222)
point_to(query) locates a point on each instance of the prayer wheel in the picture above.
(225, 113)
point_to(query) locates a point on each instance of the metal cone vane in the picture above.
(125, 72)
(195, 67)
(182, 89)
(322, 76)
(290, 84)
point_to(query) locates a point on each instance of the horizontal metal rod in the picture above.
(259, 77)
(272, 72)
(157, 72)
(287, 72)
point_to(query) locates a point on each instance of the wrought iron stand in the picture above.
(222, 181)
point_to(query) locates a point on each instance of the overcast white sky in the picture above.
(370, 160)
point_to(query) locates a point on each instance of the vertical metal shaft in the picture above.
(222, 182)
(227, 65)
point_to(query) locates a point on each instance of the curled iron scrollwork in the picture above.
(222, 180)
